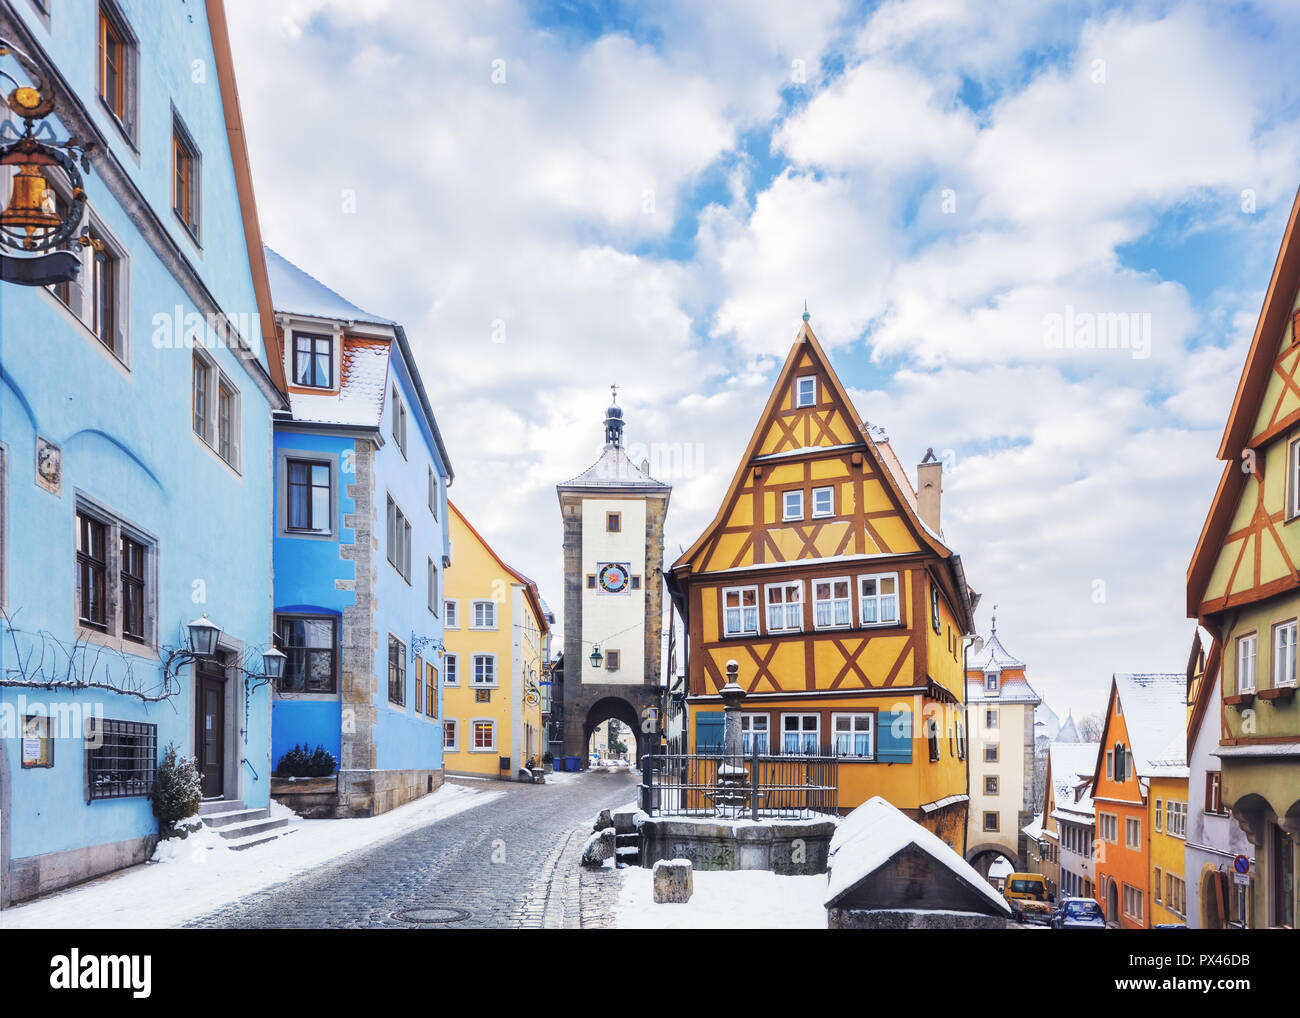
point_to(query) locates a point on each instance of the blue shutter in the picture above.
(894, 737)
(708, 731)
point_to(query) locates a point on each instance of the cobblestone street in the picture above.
(512, 862)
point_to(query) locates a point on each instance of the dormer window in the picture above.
(990, 682)
(313, 360)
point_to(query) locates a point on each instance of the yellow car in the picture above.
(1026, 893)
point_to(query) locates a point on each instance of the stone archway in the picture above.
(617, 709)
(1213, 891)
(984, 855)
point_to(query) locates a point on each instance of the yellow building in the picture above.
(497, 636)
(825, 576)
(1167, 822)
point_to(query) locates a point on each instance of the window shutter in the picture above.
(894, 739)
(708, 732)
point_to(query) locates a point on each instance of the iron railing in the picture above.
(786, 787)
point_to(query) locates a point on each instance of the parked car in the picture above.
(1026, 893)
(1079, 914)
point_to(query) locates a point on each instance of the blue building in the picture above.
(136, 446)
(360, 543)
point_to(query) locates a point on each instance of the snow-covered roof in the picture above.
(993, 656)
(1009, 691)
(876, 832)
(1154, 706)
(294, 291)
(360, 399)
(1069, 731)
(1002, 867)
(1034, 829)
(613, 470)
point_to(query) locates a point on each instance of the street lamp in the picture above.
(273, 663)
(596, 657)
(203, 637)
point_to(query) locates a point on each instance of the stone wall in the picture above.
(370, 792)
(888, 919)
(40, 874)
(791, 848)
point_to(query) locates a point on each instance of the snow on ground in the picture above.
(730, 899)
(199, 874)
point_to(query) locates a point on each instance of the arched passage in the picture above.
(618, 709)
(983, 856)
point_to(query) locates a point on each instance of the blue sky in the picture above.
(647, 193)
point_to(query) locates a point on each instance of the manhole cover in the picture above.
(430, 916)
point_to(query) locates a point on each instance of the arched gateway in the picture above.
(613, 514)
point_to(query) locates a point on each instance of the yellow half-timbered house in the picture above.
(824, 575)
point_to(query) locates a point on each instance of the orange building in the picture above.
(825, 576)
(1142, 739)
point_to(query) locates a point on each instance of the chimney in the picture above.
(929, 489)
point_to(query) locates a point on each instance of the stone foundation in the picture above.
(369, 793)
(311, 798)
(41, 874)
(787, 847)
(904, 919)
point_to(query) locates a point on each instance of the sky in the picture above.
(556, 197)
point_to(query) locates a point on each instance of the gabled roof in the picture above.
(542, 613)
(993, 656)
(1069, 731)
(1246, 404)
(300, 293)
(614, 470)
(1154, 708)
(1206, 693)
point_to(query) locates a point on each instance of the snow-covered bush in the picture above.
(177, 794)
(299, 763)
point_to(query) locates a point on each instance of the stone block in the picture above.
(599, 847)
(603, 821)
(673, 883)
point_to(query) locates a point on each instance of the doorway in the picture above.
(210, 729)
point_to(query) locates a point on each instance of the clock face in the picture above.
(613, 577)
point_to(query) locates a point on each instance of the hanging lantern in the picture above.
(596, 657)
(203, 637)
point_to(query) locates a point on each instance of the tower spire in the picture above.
(806, 315)
(614, 421)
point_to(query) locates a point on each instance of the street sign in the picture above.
(1242, 865)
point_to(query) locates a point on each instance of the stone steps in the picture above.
(240, 826)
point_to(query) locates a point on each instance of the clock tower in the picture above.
(613, 515)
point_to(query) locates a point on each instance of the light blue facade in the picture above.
(119, 426)
(389, 751)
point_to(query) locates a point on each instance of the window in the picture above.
(433, 588)
(1176, 819)
(103, 292)
(801, 733)
(485, 615)
(1133, 903)
(1122, 760)
(636, 582)
(185, 177)
(991, 682)
(614, 523)
(433, 494)
(784, 607)
(451, 669)
(1157, 815)
(1293, 472)
(1110, 763)
(823, 502)
(1214, 792)
(591, 581)
(117, 57)
(1175, 894)
(313, 360)
(831, 603)
(1108, 827)
(991, 717)
(961, 741)
(854, 735)
(121, 758)
(990, 752)
(1156, 881)
(754, 734)
(308, 494)
(485, 736)
(991, 785)
(932, 737)
(92, 570)
(792, 505)
(1281, 853)
(132, 577)
(419, 684)
(1284, 640)
(879, 599)
(215, 405)
(399, 540)
(310, 646)
(1246, 664)
(399, 421)
(430, 690)
(612, 660)
(109, 551)
(805, 391)
(396, 671)
(739, 611)
(934, 608)
(38, 746)
(450, 732)
(1132, 833)
(992, 821)
(452, 609)
(485, 670)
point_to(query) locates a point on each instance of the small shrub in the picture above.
(177, 794)
(321, 763)
(299, 763)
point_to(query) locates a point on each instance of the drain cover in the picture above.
(432, 915)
